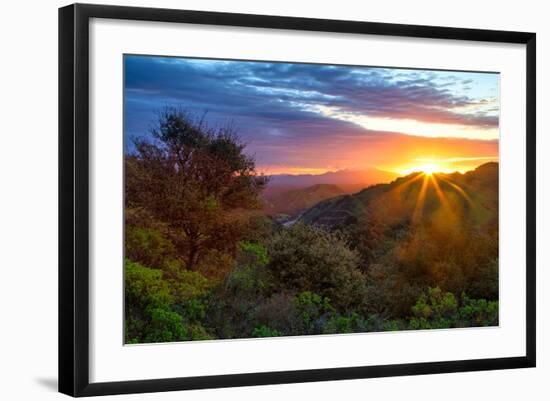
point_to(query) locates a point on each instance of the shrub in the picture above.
(148, 308)
(306, 258)
(478, 312)
(163, 326)
(264, 331)
(144, 287)
(197, 332)
(303, 313)
(254, 252)
(250, 278)
(436, 309)
(312, 308)
(278, 312)
(345, 324)
(232, 305)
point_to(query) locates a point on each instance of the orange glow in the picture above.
(439, 192)
(431, 180)
(427, 169)
(419, 207)
(399, 200)
(399, 154)
(460, 191)
(444, 165)
(295, 170)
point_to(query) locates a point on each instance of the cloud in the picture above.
(274, 105)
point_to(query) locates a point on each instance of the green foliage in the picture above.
(387, 293)
(163, 326)
(258, 228)
(264, 331)
(478, 312)
(435, 304)
(357, 323)
(345, 324)
(308, 258)
(196, 332)
(258, 251)
(159, 310)
(436, 309)
(457, 257)
(195, 310)
(233, 303)
(250, 277)
(188, 285)
(311, 308)
(147, 306)
(147, 246)
(393, 325)
(145, 287)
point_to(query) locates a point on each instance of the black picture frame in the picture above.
(74, 200)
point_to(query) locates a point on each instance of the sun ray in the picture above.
(439, 192)
(459, 190)
(419, 207)
(396, 192)
(402, 186)
(390, 204)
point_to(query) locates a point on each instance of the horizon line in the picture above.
(397, 174)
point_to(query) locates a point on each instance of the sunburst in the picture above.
(429, 169)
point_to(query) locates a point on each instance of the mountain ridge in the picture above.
(290, 201)
(342, 178)
(473, 194)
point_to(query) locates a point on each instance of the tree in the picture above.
(147, 246)
(308, 258)
(189, 176)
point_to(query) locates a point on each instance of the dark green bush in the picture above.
(264, 331)
(307, 258)
(436, 309)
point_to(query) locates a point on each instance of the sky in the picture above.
(313, 118)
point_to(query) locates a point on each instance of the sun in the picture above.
(428, 169)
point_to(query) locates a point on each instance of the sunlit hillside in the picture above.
(470, 198)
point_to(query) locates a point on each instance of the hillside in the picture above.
(288, 202)
(472, 196)
(348, 180)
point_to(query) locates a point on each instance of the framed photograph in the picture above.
(250, 199)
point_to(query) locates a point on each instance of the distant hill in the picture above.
(472, 196)
(348, 180)
(290, 202)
